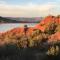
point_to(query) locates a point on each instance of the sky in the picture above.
(29, 8)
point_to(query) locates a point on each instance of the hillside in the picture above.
(47, 32)
(19, 20)
(7, 20)
(43, 26)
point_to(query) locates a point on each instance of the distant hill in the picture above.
(7, 20)
(27, 20)
(20, 20)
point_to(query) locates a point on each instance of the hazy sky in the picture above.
(29, 8)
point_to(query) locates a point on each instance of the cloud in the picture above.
(2, 2)
(27, 10)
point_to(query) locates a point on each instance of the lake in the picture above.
(7, 26)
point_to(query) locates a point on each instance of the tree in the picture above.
(36, 32)
(57, 28)
(25, 29)
(50, 29)
(53, 50)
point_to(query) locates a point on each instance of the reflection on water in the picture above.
(5, 27)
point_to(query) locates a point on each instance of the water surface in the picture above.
(6, 27)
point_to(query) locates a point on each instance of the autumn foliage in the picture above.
(48, 30)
